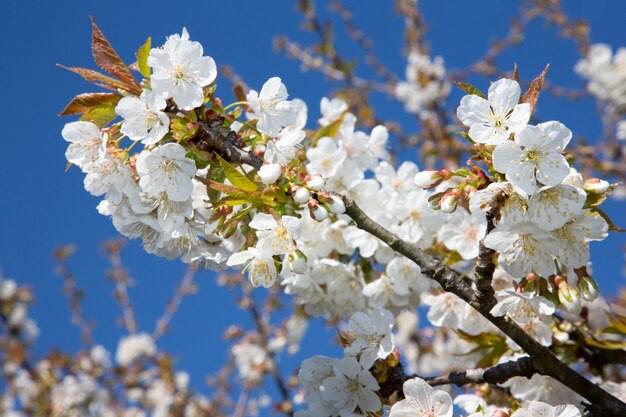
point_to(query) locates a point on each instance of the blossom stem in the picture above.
(236, 103)
(132, 145)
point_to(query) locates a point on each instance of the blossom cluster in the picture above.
(271, 204)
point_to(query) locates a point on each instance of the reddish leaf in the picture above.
(532, 94)
(85, 102)
(107, 59)
(515, 72)
(98, 79)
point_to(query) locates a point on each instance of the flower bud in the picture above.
(300, 195)
(433, 201)
(297, 261)
(316, 211)
(269, 173)
(587, 288)
(428, 179)
(596, 186)
(336, 205)
(449, 202)
(569, 298)
(499, 413)
(315, 182)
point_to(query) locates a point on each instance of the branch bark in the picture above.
(211, 138)
(545, 362)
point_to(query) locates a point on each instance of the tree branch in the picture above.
(484, 267)
(211, 138)
(602, 404)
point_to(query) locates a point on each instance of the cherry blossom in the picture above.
(421, 400)
(524, 248)
(166, 169)
(271, 107)
(87, 143)
(180, 71)
(493, 120)
(144, 118)
(351, 387)
(373, 338)
(534, 156)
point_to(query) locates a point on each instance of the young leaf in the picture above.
(329, 130)
(230, 190)
(107, 59)
(238, 179)
(470, 89)
(612, 226)
(142, 58)
(100, 115)
(83, 103)
(532, 95)
(98, 79)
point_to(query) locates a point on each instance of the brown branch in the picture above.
(119, 275)
(484, 267)
(211, 138)
(602, 404)
(261, 326)
(186, 287)
(495, 375)
(73, 293)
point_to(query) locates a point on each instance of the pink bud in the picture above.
(269, 173)
(596, 186)
(315, 182)
(300, 195)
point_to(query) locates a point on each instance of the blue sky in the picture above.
(44, 206)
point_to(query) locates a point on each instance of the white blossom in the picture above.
(259, 265)
(421, 400)
(144, 118)
(87, 144)
(524, 248)
(351, 387)
(133, 347)
(271, 107)
(534, 156)
(276, 236)
(373, 337)
(493, 120)
(166, 169)
(179, 71)
(522, 307)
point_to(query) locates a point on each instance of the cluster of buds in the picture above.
(320, 203)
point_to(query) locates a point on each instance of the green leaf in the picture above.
(83, 103)
(142, 58)
(231, 201)
(230, 190)
(328, 130)
(612, 226)
(470, 89)
(466, 136)
(183, 129)
(100, 115)
(236, 178)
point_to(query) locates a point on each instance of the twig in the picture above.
(120, 277)
(602, 404)
(73, 294)
(185, 287)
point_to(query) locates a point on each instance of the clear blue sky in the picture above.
(43, 206)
